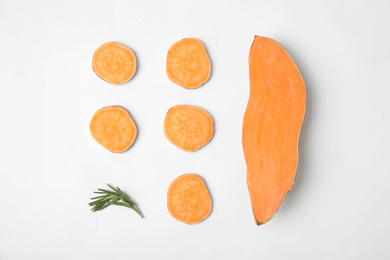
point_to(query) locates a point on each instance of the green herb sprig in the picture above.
(115, 197)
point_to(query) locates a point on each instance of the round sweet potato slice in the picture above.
(189, 200)
(188, 63)
(114, 63)
(188, 127)
(113, 128)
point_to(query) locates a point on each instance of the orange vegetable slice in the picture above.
(188, 127)
(114, 63)
(188, 63)
(113, 128)
(189, 200)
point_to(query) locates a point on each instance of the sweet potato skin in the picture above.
(272, 125)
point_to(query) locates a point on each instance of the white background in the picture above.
(50, 165)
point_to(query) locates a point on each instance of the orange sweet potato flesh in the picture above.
(189, 200)
(188, 127)
(113, 128)
(114, 63)
(272, 125)
(188, 63)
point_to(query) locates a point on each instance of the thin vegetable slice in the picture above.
(189, 200)
(114, 63)
(113, 128)
(188, 127)
(272, 125)
(188, 63)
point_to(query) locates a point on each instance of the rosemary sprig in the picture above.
(115, 197)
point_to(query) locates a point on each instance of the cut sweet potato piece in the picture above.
(272, 125)
(188, 127)
(114, 63)
(188, 63)
(189, 199)
(113, 128)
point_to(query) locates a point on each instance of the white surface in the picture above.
(50, 165)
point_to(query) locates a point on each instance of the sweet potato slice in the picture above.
(114, 63)
(188, 63)
(189, 200)
(188, 127)
(113, 128)
(272, 125)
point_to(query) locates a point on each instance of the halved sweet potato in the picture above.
(189, 199)
(188, 63)
(113, 128)
(272, 125)
(114, 63)
(188, 127)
